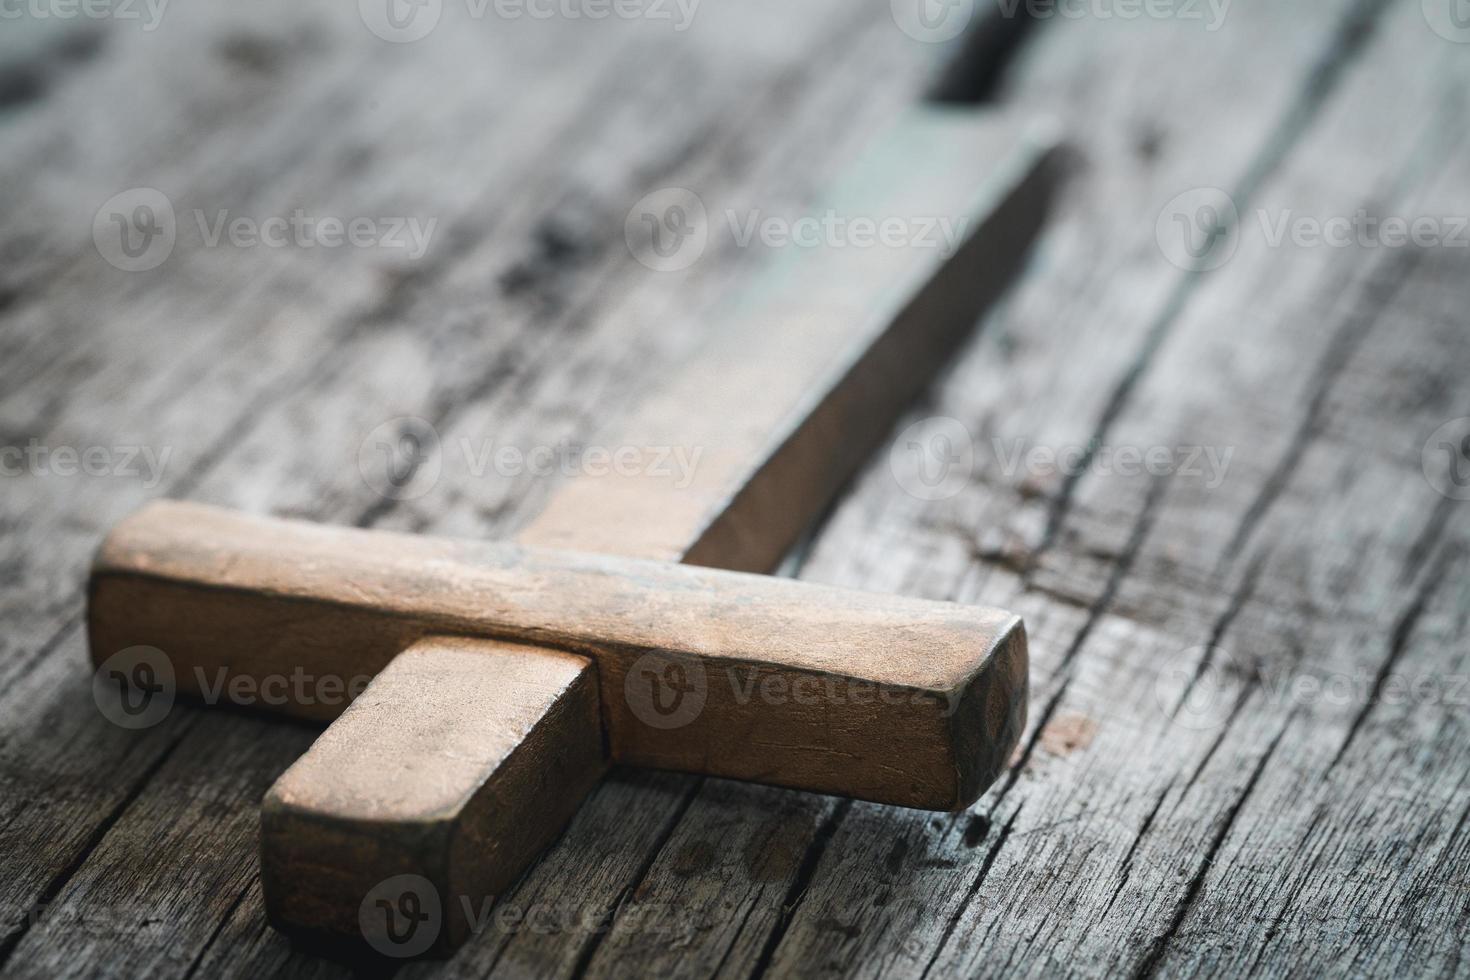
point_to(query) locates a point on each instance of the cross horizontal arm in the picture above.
(880, 697)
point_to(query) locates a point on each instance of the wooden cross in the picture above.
(510, 675)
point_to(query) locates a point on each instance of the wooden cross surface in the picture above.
(510, 675)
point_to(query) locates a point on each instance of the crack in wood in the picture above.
(605, 925)
(1235, 712)
(800, 882)
(972, 891)
(1243, 593)
(1345, 46)
(1127, 869)
(1379, 290)
(1398, 644)
(59, 881)
(1289, 904)
(1153, 959)
(224, 920)
(1120, 571)
(1428, 539)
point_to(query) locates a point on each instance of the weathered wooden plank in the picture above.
(219, 373)
(1334, 843)
(1092, 861)
(1114, 811)
(852, 926)
(50, 695)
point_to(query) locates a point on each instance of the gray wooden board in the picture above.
(1260, 827)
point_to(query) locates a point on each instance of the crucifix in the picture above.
(630, 623)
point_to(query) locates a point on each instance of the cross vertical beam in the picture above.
(798, 383)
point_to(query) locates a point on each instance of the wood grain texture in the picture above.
(805, 370)
(409, 783)
(882, 697)
(1294, 837)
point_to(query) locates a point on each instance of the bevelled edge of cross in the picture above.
(506, 677)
